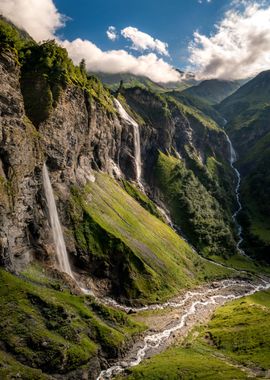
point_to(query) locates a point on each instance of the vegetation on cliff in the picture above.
(45, 327)
(234, 345)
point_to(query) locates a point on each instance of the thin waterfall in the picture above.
(136, 137)
(58, 238)
(233, 159)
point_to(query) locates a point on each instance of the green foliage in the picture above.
(198, 103)
(248, 111)
(10, 37)
(145, 259)
(193, 207)
(46, 70)
(53, 330)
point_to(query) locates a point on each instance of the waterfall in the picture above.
(136, 136)
(58, 238)
(237, 193)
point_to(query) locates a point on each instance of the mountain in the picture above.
(212, 91)
(251, 96)
(248, 112)
(112, 202)
(130, 80)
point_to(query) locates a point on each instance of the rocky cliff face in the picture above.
(80, 136)
(118, 244)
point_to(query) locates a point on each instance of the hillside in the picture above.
(248, 113)
(212, 91)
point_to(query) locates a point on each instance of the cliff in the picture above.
(114, 227)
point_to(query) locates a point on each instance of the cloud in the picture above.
(120, 61)
(142, 41)
(112, 33)
(39, 18)
(239, 47)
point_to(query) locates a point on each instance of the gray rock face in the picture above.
(79, 137)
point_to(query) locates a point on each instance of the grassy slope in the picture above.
(198, 103)
(213, 91)
(238, 334)
(52, 330)
(154, 262)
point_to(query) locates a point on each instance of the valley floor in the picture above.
(196, 352)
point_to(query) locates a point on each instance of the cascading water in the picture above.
(60, 247)
(233, 158)
(193, 303)
(137, 142)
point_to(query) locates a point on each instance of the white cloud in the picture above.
(112, 33)
(120, 61)
(142, 41)
(239, 47)
(39, 18)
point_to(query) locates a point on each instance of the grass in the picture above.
(183, 364)
(55, 331)
(237, 337)
(151, 261)
(241, 330)
(193, 207)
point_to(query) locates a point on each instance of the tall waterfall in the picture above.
(137, 141)
(237, 193)
(60, 247)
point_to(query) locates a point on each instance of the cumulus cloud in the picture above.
(142, 41)
(112, 33)
(39, 18)
(239, 47)
(120, 61)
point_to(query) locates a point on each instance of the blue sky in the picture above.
(172, 21)
(226, 39)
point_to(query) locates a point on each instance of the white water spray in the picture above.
(58, 238)
(136, 136)
(237, 193)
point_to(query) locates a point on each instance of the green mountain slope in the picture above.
(212, 91)
(253, 95)
(146, 259)
(248, 112)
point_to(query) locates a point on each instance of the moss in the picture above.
(55, 331)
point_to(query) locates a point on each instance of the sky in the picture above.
(226, 39)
